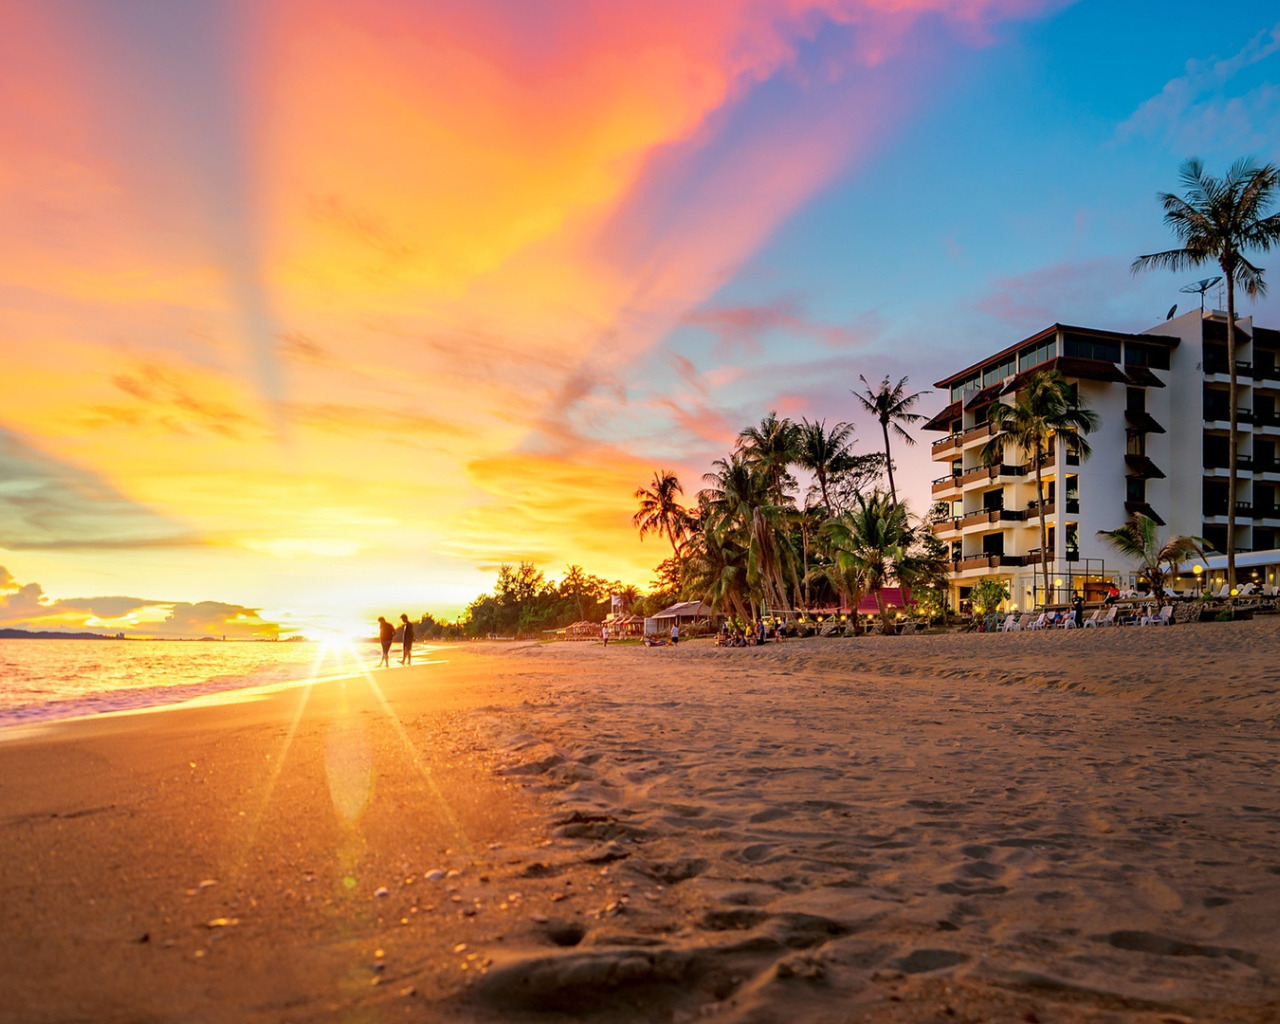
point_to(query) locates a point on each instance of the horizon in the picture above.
(314, 313)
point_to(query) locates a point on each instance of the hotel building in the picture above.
(1161, 448)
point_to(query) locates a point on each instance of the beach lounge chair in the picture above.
(1106, 620)
(1093, 619)
(1040, 622)
(1165, 618)
(1224, 593)
(1010, 624)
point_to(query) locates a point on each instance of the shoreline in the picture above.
(1072, 826)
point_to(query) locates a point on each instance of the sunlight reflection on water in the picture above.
(47, 679)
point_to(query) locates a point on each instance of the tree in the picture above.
(824, 454)
(1217, 220)
(737, 497)
(892, 407)
(772, 446)
(1044, 408)
(873, 540)
(987, 594)
(1140, 541)
(660, 512)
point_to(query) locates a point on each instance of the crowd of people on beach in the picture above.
(387, 634)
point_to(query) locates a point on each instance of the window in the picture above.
(1073, 542)
(1217, 451)
(1135, 399)
(957, 389)
(993, 544)
(1154, 356)
(1037, 354)
(1136, 443)
(1081, 346)
(1215, 497)
(1135, 489)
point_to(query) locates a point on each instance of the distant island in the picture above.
(46, 634)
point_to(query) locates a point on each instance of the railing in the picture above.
(1212, 366)
(942, 445)
(985, 562)
(973, 433)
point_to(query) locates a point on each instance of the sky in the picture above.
(313, 311)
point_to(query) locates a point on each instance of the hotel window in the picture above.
(1073, 542)
(1153, 356)
(1136, 443)
(1135, 399)
(1135, 489)
(1037, 354)
(1081, 346)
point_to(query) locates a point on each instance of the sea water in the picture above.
(47, 679)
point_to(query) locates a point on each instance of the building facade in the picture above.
(1160, 448)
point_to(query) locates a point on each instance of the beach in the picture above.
(1065, 826)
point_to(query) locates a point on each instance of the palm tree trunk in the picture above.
(884, 612)
(888, 460)
(1233, 400)
(1044, 526)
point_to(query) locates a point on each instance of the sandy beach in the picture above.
(1075, 826)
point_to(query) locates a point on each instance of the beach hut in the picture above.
(682, 614)
(582, 630)
(626, 626)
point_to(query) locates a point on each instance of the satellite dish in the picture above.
(1172, 309)
(1201, 287)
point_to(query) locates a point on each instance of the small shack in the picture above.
(623, 626)
(683, 614)
(583, 630)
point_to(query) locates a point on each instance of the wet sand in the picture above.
(1078, 826)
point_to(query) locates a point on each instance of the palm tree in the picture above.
(660, 513)
(1139, 541)
(871, 543)
(1216, 220)
(892, 407)
(824, 454)
(772, 446)
(737, 497)
(1044, 408)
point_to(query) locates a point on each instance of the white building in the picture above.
(1160, 448)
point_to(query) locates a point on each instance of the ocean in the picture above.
(49, 679)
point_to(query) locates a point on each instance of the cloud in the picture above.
(51, 505)
(744, 328)
(1059, 293)
(307, 273)
(1214, 104)
(26, 606)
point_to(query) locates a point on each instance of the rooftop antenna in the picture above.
(1200, 286)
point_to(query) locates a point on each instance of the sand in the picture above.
(1073, 826)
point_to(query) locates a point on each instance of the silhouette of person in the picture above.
(604, 634)
(407, 657)
(386, 633)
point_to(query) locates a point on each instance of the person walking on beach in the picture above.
(407, 657)
(675, 632)
(604, 633)
(386, 633)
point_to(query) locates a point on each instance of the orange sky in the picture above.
(327, 309)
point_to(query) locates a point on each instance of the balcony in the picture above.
(944, 446)
(945, 483)
(1216, 465)
(985, 562)
(978, 433)
(1221, 368)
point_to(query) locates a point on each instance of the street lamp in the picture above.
(1196, 571)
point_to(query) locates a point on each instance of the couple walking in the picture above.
(387, 633)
